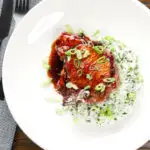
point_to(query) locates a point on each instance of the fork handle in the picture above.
(1, 91)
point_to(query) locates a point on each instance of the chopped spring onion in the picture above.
(46, 65)
(77, 63)
(80, 32)
(68, 58)
(68, 28)
(132, 96)
(100, 87)
(70, 52)
(70, 85)
(80, 72)
(108, 111)
(121, 45)
(96, 34)
(109, 80)
(112, 49)
(89, 77)
(87, 87)
(59, 112)
(139, 79)
(79, 54)
(86, 53)
(46, 83)
(76, 120)
(109, 38)
(94, 68)
(52, 100)
(102, 59)
(98, 49)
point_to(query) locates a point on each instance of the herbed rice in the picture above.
(120, 101)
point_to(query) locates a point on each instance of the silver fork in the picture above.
(22, 6)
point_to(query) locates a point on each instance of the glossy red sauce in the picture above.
(63, 71)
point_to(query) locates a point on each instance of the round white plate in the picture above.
(127, 20)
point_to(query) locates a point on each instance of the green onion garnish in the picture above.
(132, 95)
(79, 54)
(68, 28)
(139, 78)
(52, 100)
(109, 80)
(112, 49)
(76, 120)
(108, 111)
(86, 53)
(89, 77)
(109, 38)
(94, 68)
(100, 87)
(96, 34)
(80, 32)
(46, 83)
(70, 52)
(59, 112)
(46, 65)
(77, 63)
(99, 49)
(68, 58)
(102, 59)
(80, 72)
(70, 85)
(87, 87)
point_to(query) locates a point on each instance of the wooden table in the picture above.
(22, 142)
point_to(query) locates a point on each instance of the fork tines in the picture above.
(22, 6)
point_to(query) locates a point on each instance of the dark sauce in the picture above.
(56, 65)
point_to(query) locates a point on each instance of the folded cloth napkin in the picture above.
(7, 124)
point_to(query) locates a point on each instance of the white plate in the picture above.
(127, 20)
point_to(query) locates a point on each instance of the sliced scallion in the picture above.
(59, 112)
(96, 33)
(87, 87)
(109, 38)
(109, 80)
(46, 83)
(77, 63)
(68, 58)
(102, 59)
(46, 65)
(86, 53)
(80, 72)
(70, 52)
(94, 68)
(79, 54)
(100, 87)
(98, 49)
(76, 120)
(70, 85)
(68, 28)
(89, 77)
(81, 32)
(52, 100)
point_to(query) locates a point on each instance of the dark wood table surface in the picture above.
(22, 142)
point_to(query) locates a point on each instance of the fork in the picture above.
(22, 6)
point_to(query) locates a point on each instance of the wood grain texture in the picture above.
(145, 1)
(22, 142)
